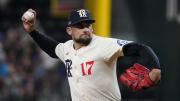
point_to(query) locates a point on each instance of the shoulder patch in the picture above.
(122, 42)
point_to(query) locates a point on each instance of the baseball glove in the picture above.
(137, 78)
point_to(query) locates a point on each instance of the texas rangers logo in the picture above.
(82, 13)
(122, 42)
(68, 67)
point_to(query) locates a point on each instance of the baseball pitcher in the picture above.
(90, 60)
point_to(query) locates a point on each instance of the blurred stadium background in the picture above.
(28, 74)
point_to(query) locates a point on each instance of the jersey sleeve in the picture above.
(112, 49)
(59, 50)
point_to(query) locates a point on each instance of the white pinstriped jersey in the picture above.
(91, 69)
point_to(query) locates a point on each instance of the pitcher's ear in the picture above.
(69, 30)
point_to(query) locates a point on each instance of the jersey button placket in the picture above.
(76, 69)
(78, 80)
(84, 96)
(75, 53)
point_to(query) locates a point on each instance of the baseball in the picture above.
(29, 16)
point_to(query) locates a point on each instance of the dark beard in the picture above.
(83, 41)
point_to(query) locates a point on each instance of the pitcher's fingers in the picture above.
(23, 19)
(29, 23)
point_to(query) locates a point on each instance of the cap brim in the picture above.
(88, 20)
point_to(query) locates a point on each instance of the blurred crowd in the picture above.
(26, 72)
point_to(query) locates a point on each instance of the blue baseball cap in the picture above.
(79, 15)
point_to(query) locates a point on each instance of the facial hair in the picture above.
(83, 41)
